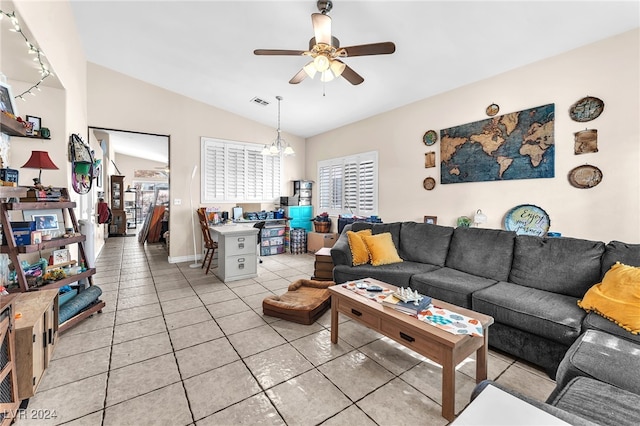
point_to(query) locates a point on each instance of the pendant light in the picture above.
(278, 146)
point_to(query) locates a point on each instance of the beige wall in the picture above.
(608, 69)
(128, 164)
(120, 102)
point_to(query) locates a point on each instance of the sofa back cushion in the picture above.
(617, 251)
(425, 243)
(482, 252)
(392, 228)
(358, 226)
(566, 266)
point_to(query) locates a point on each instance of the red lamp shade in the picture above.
(40, 160)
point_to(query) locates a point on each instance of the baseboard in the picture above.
(180, 259)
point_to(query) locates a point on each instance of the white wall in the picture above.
(120, 102)
(608, 69)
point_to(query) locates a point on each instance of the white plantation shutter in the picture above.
(238, 172)
(349, 184)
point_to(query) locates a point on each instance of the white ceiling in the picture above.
(204, 49)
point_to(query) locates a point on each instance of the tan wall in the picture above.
(608, 69)
(120, 102)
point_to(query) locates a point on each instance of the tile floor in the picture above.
(177, 347)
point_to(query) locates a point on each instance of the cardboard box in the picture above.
(317, 240)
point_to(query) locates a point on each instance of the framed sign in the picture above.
(6, 99)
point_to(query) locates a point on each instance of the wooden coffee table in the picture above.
(442, 347)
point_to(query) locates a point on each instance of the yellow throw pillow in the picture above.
(617, 297)
(382, 249)
(359, 251)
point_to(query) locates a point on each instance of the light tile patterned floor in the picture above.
(177, 347)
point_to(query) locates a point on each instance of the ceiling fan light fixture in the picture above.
(310, 69)
(326, 76)
(337, 67)
(322, 63)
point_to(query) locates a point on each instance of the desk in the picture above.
(237, 258)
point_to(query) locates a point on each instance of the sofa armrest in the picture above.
(341, 252)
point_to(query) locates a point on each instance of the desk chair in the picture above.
(259, 225)
(209, 244)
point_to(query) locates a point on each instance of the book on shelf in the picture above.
(407, 307)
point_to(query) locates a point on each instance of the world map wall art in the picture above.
(518, 145)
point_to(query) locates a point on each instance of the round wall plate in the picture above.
(429, 183)
(585, 177)
(527, 219)
(430, 137)
(492, 110)
(586, 109)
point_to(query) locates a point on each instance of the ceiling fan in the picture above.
(325, 51)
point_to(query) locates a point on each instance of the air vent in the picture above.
(259, 101)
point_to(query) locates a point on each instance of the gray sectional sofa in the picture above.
(529, 285)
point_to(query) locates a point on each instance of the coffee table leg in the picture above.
(482, 358)
(334, 319)
(448, 388)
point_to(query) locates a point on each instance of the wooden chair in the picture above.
(209, 244)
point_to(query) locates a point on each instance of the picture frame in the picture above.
(36, 237)
(30, 215)
(37, 124)
(7, 102)
(61, 256)
(45, 222)
(432, 220)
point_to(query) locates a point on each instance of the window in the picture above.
(238, 172)
(349, 184)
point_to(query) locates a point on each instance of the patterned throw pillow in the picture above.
(617, 297)
(359, 251)
(382, 249)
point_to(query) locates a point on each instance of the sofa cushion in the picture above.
(482, 252)
(397, 274)
(617, 251)
(359, 251)
(566, 266)
(449, 285)
(358, 226)
(554, 316)
(617, 297)
(425, 243)
(599, 402)
(594, 321)
(381, 249)
(392, 228)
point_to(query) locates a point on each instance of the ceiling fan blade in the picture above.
(385, 48)
(278, 52)
(321, 28)
(298, 77)
(351, 76)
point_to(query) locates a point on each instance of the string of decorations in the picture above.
(33, 50)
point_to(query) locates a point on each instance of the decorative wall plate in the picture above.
(527, 219)
(586, 109)
(430, 137)
(492, 110)
(429, 183)
(585, 177)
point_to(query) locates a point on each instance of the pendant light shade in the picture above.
(278, 146)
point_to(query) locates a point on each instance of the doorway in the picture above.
(143, 160)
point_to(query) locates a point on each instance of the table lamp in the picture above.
(39, 160)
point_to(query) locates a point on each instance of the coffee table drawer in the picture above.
(358, 313)
(412, 339)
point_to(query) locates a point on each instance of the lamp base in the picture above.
(195, 265)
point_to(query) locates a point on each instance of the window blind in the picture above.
(238, 172)
(349, 184)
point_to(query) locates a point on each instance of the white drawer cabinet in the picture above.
(237, 252)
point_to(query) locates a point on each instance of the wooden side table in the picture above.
(323, 266)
